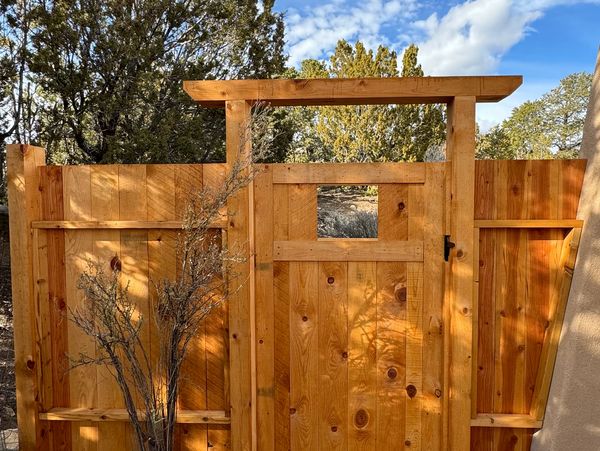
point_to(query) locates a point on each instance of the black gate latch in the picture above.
(447, 246)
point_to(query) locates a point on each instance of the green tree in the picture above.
(526, 131)
(565, 108)
(364, 132)
(111, 72)
(494, 145)
(15, 101)
(549, 127)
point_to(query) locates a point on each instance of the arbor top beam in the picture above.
(353, 91)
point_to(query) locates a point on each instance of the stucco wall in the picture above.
(572, 419)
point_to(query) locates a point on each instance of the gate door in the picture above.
(349, 336)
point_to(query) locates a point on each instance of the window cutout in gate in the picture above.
(347, 211)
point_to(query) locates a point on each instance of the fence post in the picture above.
(460, 152)
(240, 237)
(23, 207)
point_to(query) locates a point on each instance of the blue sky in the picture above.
(543, 40)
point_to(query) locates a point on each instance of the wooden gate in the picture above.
(330, 344)
(349, 335)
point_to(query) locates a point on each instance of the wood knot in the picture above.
(261, 341)
(30, 364)
(304, 318)
(400, 293)
(407, 442)
(334, 428)
(411, 391)
(345, 355)
(361, 418)
(401, 206)
(330, 280)
(292, 411)
(460, 253)
(392, 373)
(234, 336)
(115, 263)
(438, 393)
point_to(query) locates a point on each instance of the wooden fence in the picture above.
(398, 342)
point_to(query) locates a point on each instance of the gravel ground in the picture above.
(7, 373)
(9, 440)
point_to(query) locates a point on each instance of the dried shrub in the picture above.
(205, 277)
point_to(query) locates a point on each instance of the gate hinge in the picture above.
(448, 245)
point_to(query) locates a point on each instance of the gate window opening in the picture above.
(347, 211)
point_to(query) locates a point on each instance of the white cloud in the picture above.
(472, 37)
(314, 32)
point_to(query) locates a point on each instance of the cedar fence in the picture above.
(400, 341)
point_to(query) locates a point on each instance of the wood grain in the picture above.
(349, 173)
(265, 310)
(391, 353)
(460, 151)
(346, 250)
(304, 323)
(118, 415)
(22, 164)
(106, 245)
(362, 355)
(216, 324)
(241, 333)
(51, 185)
(432, 315)
(134, 249)
(282, 315)
(333, 355)
(353, 90)
(77, 197)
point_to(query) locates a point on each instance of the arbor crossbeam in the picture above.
(353, 91)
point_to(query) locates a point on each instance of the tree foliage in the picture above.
(364, 132)
(113, 71)
(549, 127)
(106, 76)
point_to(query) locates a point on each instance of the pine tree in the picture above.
(361, 133)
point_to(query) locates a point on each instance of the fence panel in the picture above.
(350, 351)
